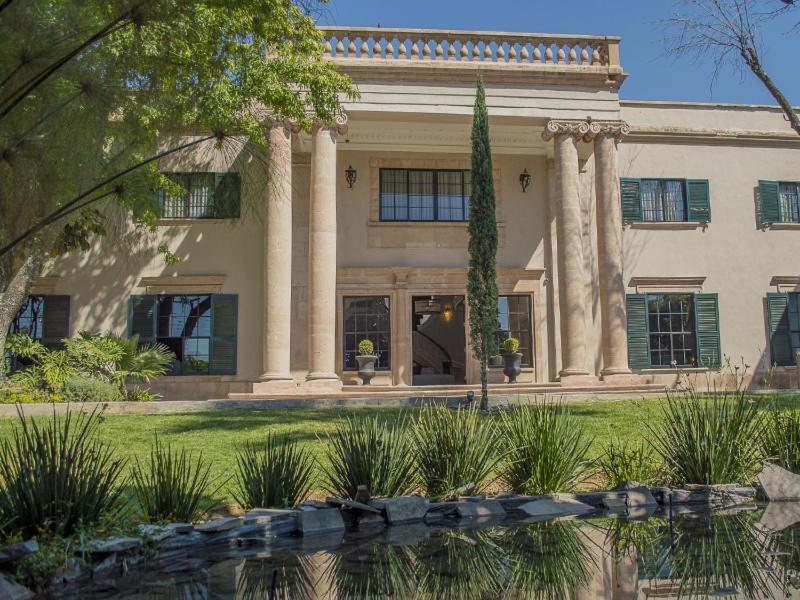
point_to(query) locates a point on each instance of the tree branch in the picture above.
(751, 58)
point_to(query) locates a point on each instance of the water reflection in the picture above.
(733, 555)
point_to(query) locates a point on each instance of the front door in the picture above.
(438, 340)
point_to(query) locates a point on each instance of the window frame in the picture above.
(793, 315)
(186, 179)
(795, 209)
(367, 335)
(435, 194)
(661, 181)
(208, 338)
(510, 332)
(651, 334)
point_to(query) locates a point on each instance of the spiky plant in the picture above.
(627, 461)
(56, 475)
(780, 438)
(709, 439)
(173, 485)
(455, 450)
(545, 449)
(274, 474)
(369, 451)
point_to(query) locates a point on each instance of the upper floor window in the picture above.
(204, 196)
(665, 200)
(778, 202)
(424, 195)
(199, 329)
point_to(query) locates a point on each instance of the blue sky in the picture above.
(652, 75)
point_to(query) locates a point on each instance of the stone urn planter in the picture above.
(366, 361)
(512, 360)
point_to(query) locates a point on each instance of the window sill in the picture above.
(784, 226)
(184, 222)
(668, 225)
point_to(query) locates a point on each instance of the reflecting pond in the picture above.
(729, 554)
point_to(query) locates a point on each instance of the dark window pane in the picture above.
(663, 200)
(367, 318)
(424, 195)
(514, 320)
(184, 326)
(672, 339)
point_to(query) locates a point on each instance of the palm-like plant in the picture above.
(780, 438)
(367, 451)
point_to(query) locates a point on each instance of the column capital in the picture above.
(585, 129)
(274, 122)
(339, 125)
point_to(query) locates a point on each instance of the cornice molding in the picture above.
(667, 284)
(198, 284)
(786, 283)
(727, 137)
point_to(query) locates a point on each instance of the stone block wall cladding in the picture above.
(306, 239)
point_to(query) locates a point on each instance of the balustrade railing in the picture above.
(376, 44)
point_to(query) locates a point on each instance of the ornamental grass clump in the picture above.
(368, 451)
(173, 485)
(624, 461)
(545, 449)
(780, 438)
(274, 474)
(709, 439)
(57, 476)
(456, 450)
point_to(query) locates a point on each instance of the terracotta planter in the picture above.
(512, 365)
(366, 368)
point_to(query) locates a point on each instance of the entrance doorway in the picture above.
(438, 340)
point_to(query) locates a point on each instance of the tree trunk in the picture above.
(14, 291)
(751, 58)
(485, 382)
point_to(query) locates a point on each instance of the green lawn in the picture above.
(219, 433)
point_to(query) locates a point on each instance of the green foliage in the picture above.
(545, 449)
(455, 450)
(83, 389)
(24, 347)
(368, 451)
(624, 461)
(365, 348)
(173, 485)
(57, 476)
(482, 274)
(511, 345)
(709, 440)
(140, 394)
(273, 474)
(11, 395)
(780, 438)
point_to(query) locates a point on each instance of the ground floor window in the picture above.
(783, 321)
(514, 320)
(367, 318)
(199, 329)
(43, 318)
(672, 332)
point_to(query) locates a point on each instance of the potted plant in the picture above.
(366, 361)
(512, 359)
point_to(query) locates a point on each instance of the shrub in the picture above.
(511, 345)
(13, 395)
(140, 394)
(709, 440)
(57, 476)
(365, 348)
(780, 438)
(455, 450)
(628, 462)
(172, 485)
(83, 389)
(366, 451)
(545, 449)
(275, 474)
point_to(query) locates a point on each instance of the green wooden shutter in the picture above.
(224, 309)
(227, 195)
(706, 320)
(56, 320)
(769, 203)
(142, 318)
(780, 344)
(631, 194)
(698, 200)
(638, 332)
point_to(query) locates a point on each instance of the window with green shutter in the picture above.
(43, 318)
(665, 200)
(778, 202)
(199, 329)
(204, 196)
(673, 330)
(783, 325)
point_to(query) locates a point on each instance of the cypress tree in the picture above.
(482, 276)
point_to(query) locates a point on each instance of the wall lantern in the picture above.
(350, 176)
(524, 180)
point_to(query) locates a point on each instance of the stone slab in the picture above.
(181, 527)
(13, 591)
(596, 499)
(780, 515)
(218, 525)
(14, 552)
(476, 510)
(339, 502)
(403, 509)
(322, 521)
(555, 508)
(778, 483)
(112, 545)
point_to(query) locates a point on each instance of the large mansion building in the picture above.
(637, 240)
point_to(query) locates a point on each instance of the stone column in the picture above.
(278, 259)
(551, 263)
(614, 322)
(322, 260)
(571, 275)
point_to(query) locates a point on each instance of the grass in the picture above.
(220, 433)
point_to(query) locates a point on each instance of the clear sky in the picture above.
(653, 76)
